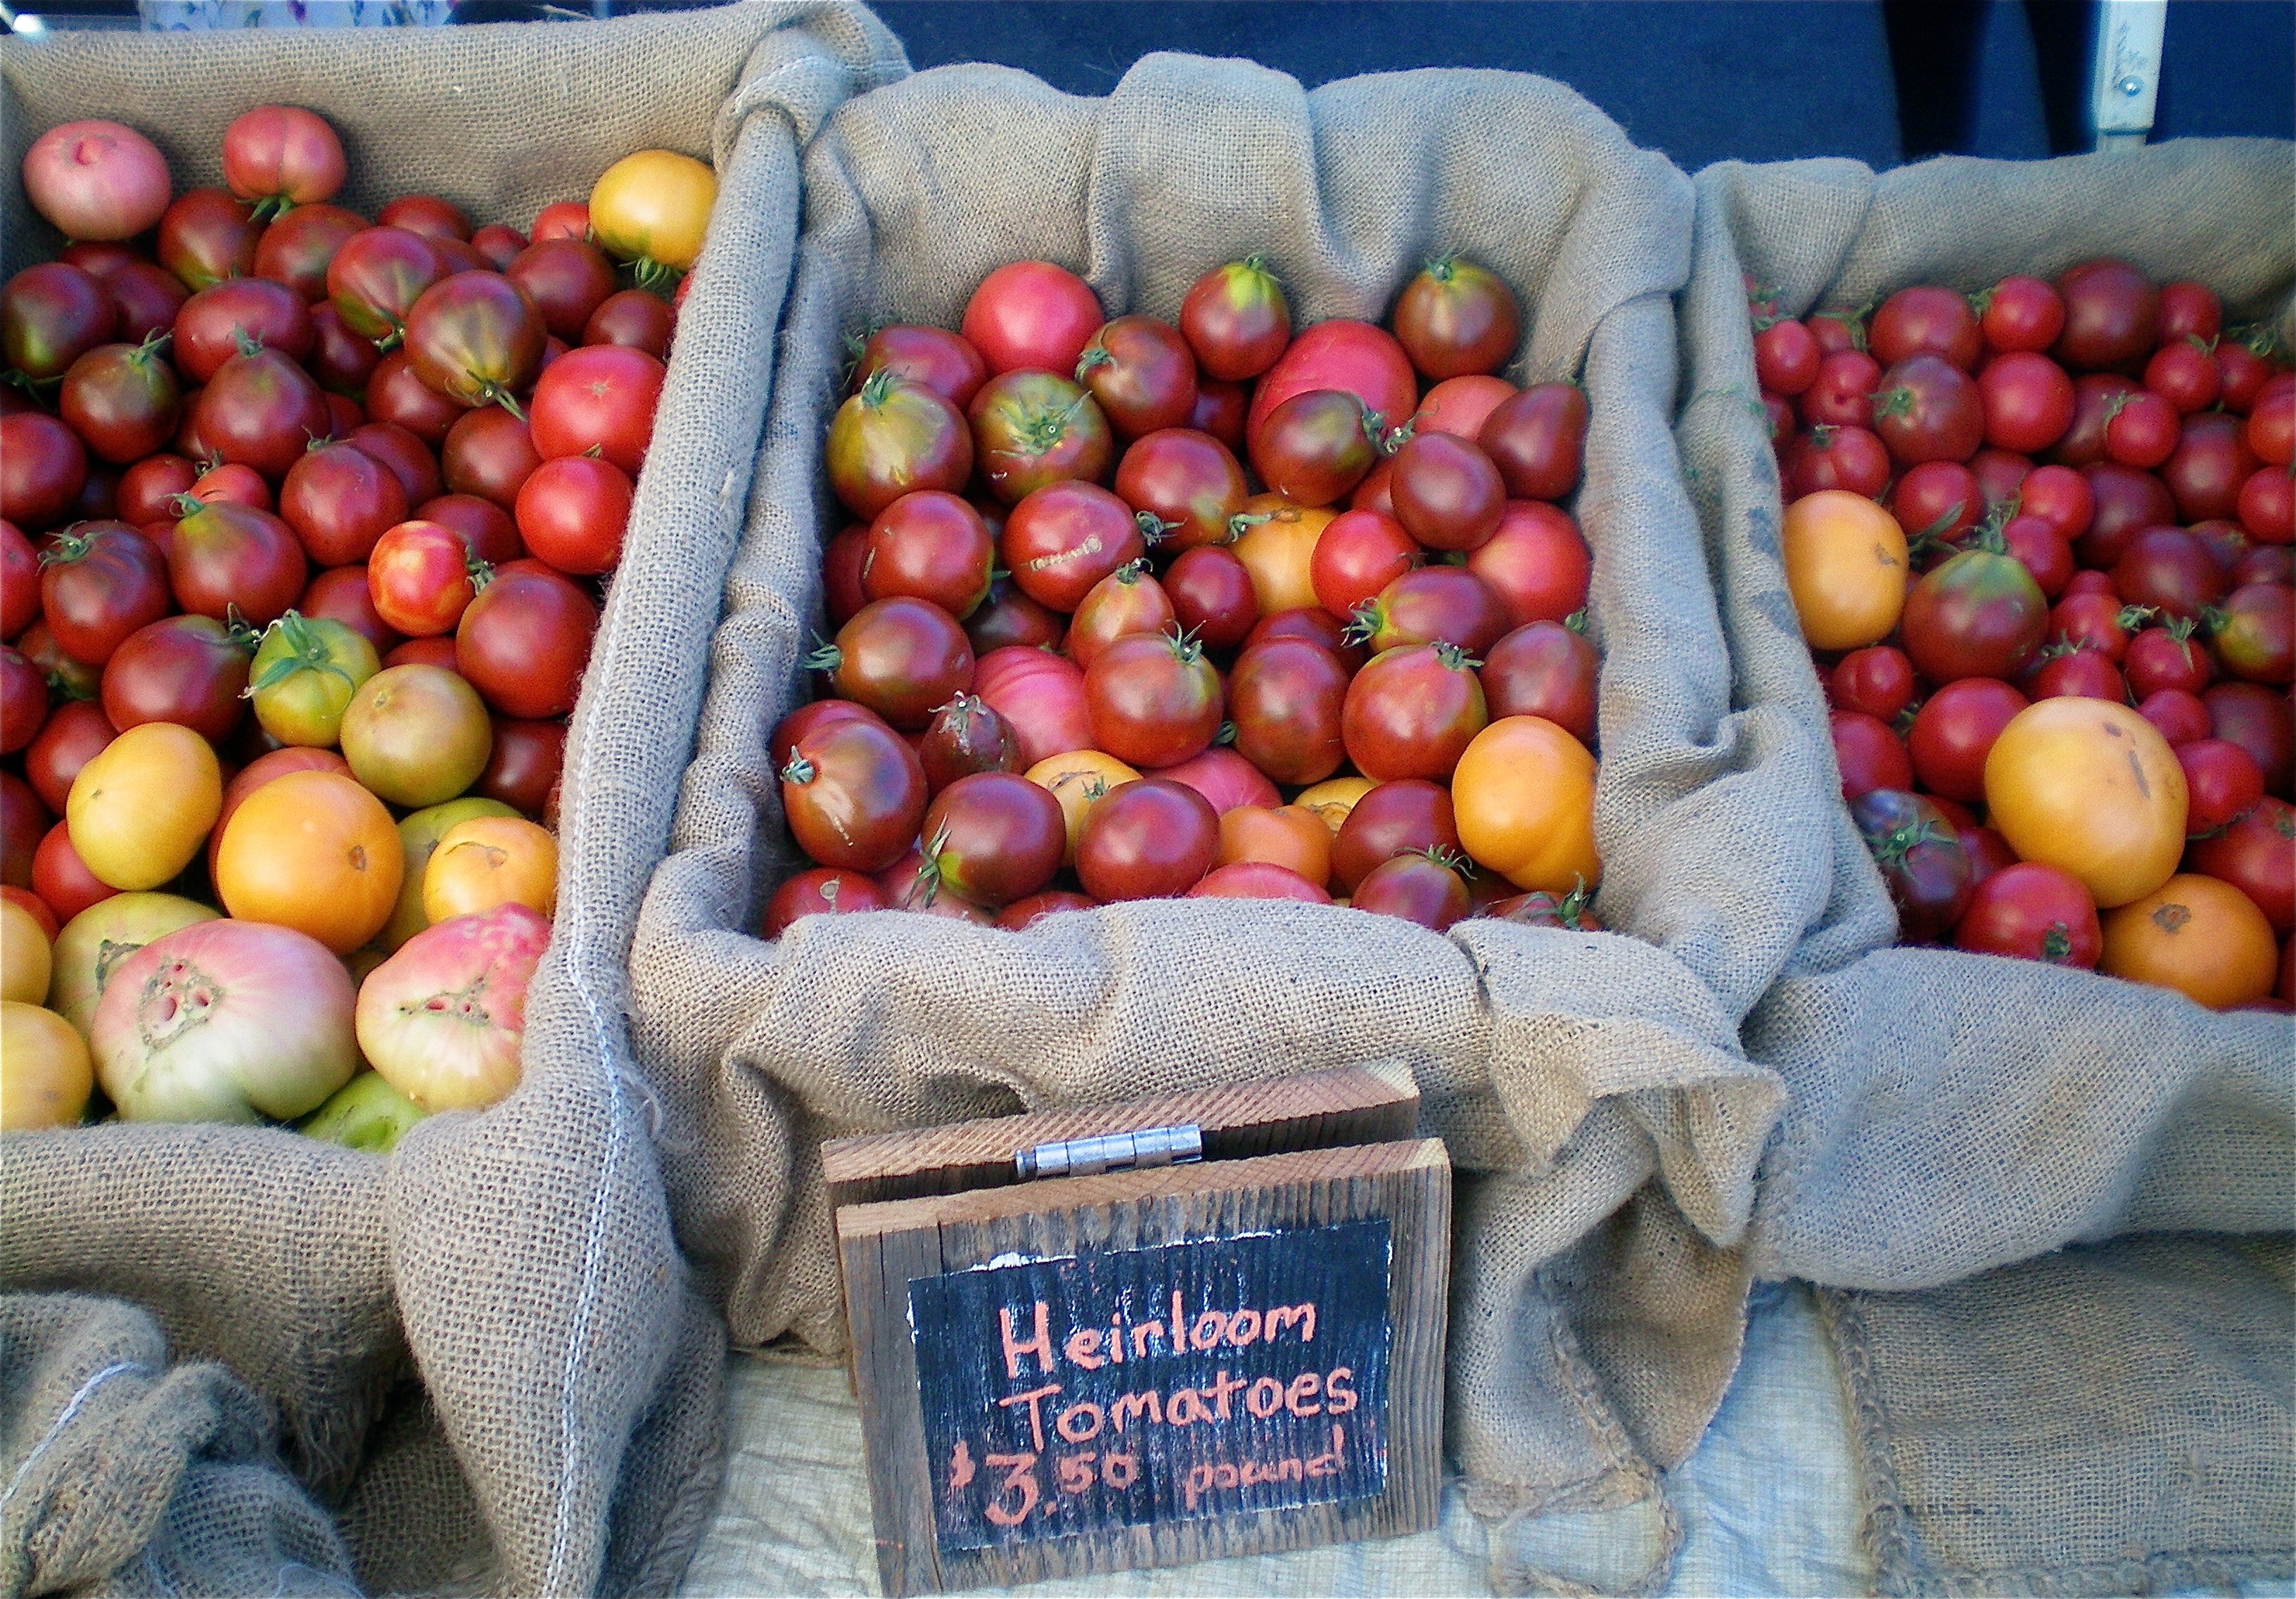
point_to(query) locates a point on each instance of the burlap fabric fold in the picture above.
(1951, 1113)
(568, 1442)
(125, 1475)
(1592, 1080)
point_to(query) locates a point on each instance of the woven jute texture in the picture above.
(1951, 1113)
(2185, 1475)
(520, 1262)
(125, 1475)
(1589, 1083)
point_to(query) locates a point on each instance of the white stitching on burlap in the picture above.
(56, 1428)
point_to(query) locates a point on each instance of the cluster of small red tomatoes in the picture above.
(304, 521)
(1076, 633)
(2040, 540)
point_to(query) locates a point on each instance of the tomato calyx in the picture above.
(2133, 617)
(1243, 522)
(1891, 848)
(1455, 658)
(307, 652)
(1040, 430)
(823, 657)
(1153, 529)
(800, 771)
(71, 547)
(1853, 322)
(1131, 573)
(1363, 622)
(1187, 647)
(2057, 945)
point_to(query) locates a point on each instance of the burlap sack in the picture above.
(1951, 1113)
(126, 1476)
(526, 1252)
(1593, 1080)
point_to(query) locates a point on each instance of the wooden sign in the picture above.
(1148, 1366)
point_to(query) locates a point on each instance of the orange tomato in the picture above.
(26, 955)
(1846, 566)
(1077, 780)
(1333, 799)
(1289, 835)
(141, 809)
(2092, 787)
(488, 861)
(1276, 552)
(1523, 797)
(2197, 935)
(315, 852)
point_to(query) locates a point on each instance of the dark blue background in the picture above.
(1883, 80)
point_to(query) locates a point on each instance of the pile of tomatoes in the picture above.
(304, 522)
(1132, 609)
(2039, 540)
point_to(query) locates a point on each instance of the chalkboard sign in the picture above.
(1125, 1387)
(1123, 1367)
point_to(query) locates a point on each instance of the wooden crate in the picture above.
(1148, 1368)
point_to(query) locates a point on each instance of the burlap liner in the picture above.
(1593, 1079)
(1951, 1113)
(526, 1253)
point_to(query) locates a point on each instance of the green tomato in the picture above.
(418, 835)
(305, 673)
(364, 1113)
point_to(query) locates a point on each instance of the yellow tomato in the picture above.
(315, 852)
(1845, 561)
(2197, 935)
(2092, 787)
(488, 861)
(653, 206)
(1290, 836)
(25, 955)
(1276, 552)
(1333, 798)
(48, 1075)
(141, 809)
(418, 837)
(1523, 796)
(1077, 780)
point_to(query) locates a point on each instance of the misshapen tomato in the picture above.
(1523, 797)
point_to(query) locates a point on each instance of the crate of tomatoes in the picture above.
(1994, 466)
(1218, 601)
(348, 378)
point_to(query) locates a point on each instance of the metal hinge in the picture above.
(1113, 1151)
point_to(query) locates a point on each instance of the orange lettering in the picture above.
(1035, 1417)
(1022, 1478)
(1083, 1348)
(1040, 1345)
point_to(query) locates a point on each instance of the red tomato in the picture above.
(1066, 536)
(2211, 463)
(2257, 855)
(1412, 712)
(1538, 440)
(2259, 721)
(23, 702)
(340, 594)
(1286, 697)
(930, 357)
(2180, 716)
(1031, 315)
(1155, 700)
(1843, 395)
(2190, 310)
(1537, 563)
(994, 837)
(1150, 839)
(1925, 320)
(524, 640)
(901, 658)
(1927, 409)
(338, 500)
(819, 891)
(572, 512)
(1236, 321)
(853, 793)
(1041, 694)
(486, 528)
(2167, 657)
(1212, 596)
(2021, 313)
(409, 459)
(2078, 674)
(1256, 879)
(2112, 317)
(1954, 731)
(1352, 356)
(2267, 506)
(1128, 601)
(1543, 669)
(1461, 405)
(490, 454)
(61, 878)
(2036, 912)
(99, 582)
(1223, 778)
(2059, 497)
(1447, 492)
(1869, 754)
(1188, 481)
(601, 397)
(1433, 604)
(1359, 553)
(1785, 357)
(2222, 783)
(2028, 401)
(1392, 819)
(1029, 430)
(1141, 372)
(1939, 498)
(2186, 375)
(1829, 456)
(1456, 318)
(187, 670)
(419, 577)
(74, 734)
